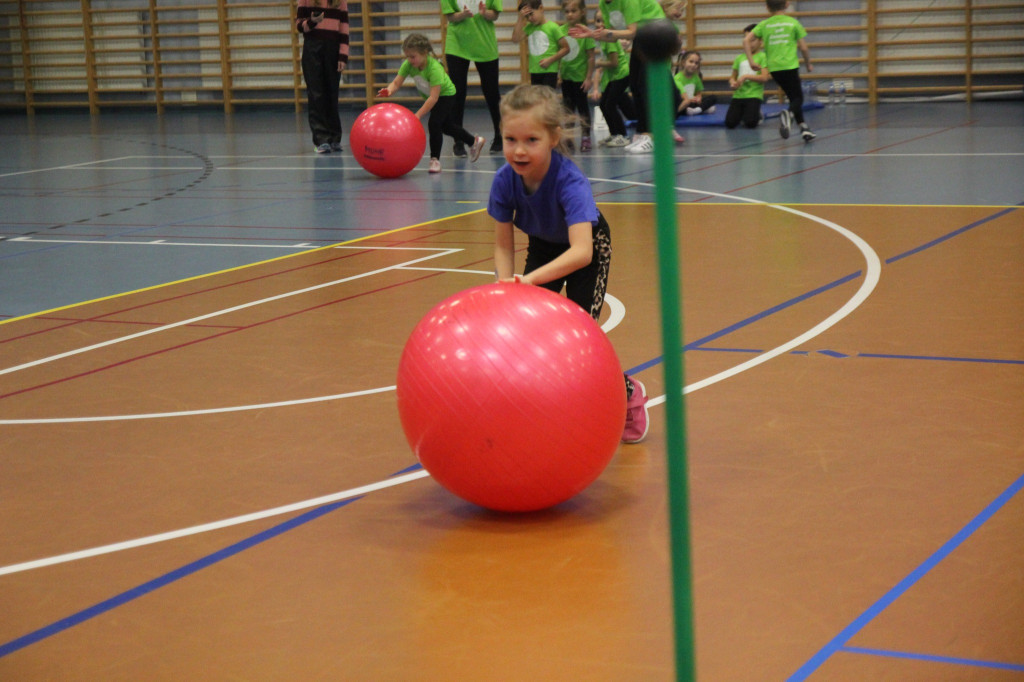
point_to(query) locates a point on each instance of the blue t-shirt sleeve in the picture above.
(577, 198)
(501, 203)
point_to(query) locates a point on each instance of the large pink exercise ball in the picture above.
(387, 140)
(511, 396)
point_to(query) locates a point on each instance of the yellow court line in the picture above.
(226, 270)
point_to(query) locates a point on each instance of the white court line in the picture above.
(871, 277)
(160, 242)
(217, 313)
(216, 525)
(72, 166)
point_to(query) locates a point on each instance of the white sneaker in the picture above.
(785, 123)
(435, 166)
(643, 145)
(711, 109)
(617, 141)
(692, 111)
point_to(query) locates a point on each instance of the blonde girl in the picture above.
(324, 28)
(543, 193)
(438, 94)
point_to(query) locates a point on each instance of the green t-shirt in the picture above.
(573, 66)
(474, 38)
(432, 74)
(780, 34)
(688, 86)
(619, 14)
(541, 43)
(748, 89)
(621, 71)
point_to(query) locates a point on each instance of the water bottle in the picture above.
(842, 92)
(831, 93)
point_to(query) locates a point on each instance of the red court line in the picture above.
(235, 330)
(183, 296)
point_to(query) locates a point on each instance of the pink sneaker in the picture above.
(636, 414)
(478, 144)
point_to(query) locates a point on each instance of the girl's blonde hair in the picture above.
(550, 112)
(417, 42)
(671, 6)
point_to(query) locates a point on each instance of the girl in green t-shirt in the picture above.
(577, 70)
(438, 94)
(611, 88)
(689, 82)
(470, 37)
(747, 84)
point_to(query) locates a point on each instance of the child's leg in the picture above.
(707, 101)
(611, 102)
(587, 286)
(734, 114)
(789, 81)
(751, 112)
(458, 71)
(492, 92)
(548, 79)
(638, 85)
(575, 100)
(443, 113)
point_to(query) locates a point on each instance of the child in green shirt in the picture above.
(438, 94)
(612, 90)
(545, 42)
(748, 86)
(691, 87)
(783, 36)
(577, 70)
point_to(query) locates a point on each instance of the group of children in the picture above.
(540, 190)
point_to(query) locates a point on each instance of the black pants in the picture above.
(585, 287)
(638, 84)
(441, 122)
(548, 79)
(574, 97)
(320, 71)
(745, 110)
(458, 71)
(789, 81)
(615, 104)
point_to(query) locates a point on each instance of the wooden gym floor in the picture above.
(203, 474)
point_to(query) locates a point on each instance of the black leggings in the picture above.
(574, 97)
(789, 81)
(585, 287)
(744, 109)
(441, 122)
(616, 103)
(458, 71)
(548, 79)
(638, 84)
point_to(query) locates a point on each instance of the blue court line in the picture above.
(874, 356)
(933, 659)
(952, 234)
(227, 552)
(904, 585)
(167, 578)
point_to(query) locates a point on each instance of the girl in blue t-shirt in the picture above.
(543, 193)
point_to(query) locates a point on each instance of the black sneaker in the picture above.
(459, 150)
(496, 146)
(785, 123)
(807, 134)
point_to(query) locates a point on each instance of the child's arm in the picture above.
(748, 48)
(802, 46)
(392, 86)
(488, 14)
(504, 251)
(734, 79)
(429, 102)
(519, 30)
(563, 49)
(589, 81)
(578, 255)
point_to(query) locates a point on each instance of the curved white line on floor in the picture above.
(871, 277)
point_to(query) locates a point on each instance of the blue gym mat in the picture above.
(718, 118)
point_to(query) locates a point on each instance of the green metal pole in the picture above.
(660, 98)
